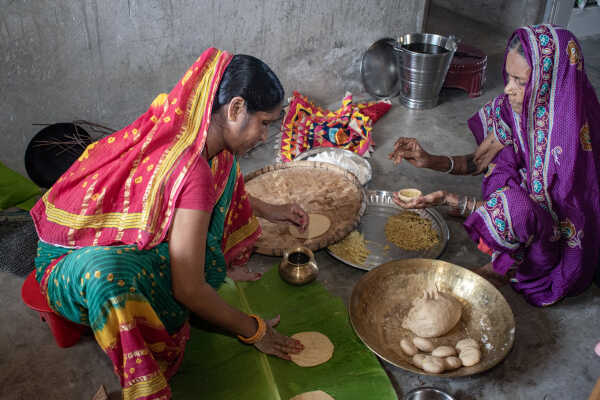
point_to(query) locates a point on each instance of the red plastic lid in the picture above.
(32, 295)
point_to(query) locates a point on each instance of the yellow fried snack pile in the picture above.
(409, 231)
(353, 248)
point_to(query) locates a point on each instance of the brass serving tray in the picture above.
(382, 297)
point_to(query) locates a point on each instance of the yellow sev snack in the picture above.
(352, 248)
(409, 231)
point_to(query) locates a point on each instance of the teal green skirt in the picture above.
(86, 283)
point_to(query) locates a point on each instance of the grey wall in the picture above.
(503, 15)
(105, 60)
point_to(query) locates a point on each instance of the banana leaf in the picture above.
(16, 190)
(217, 366)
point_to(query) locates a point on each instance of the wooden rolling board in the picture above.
(318, 187)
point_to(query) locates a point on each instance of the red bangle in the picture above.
(260, 331)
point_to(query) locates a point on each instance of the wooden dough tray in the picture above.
(318, 187)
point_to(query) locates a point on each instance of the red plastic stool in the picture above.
(467, 70)
(66, 333)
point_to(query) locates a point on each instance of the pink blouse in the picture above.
(198, 192)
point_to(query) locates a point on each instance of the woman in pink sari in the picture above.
(142, 229)
(540, 144)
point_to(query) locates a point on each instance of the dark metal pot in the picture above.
(52, 151)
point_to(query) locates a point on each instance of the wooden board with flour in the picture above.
(331, 194)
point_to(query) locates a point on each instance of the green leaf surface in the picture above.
(16, 190)
(219, 367)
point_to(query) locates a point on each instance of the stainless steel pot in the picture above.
(427, 393)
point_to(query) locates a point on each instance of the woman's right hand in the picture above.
(410, 150)
(276, 344)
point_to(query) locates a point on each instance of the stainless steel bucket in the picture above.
(423, 60)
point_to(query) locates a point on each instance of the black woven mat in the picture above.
(18, 245)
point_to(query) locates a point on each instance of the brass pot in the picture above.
(298, 266)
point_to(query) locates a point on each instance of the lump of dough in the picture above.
(433, 315)
(435, 365)
(418, 360)
(452, 363)
(470, 356)
(465, 343)
(423, 344)
(408, 347)
(443, 351)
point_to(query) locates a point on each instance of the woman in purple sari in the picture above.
(540, 145)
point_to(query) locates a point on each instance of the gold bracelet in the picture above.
(260, 331)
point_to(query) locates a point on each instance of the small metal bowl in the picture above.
(298, 266)
(408, 194)
(427, 393)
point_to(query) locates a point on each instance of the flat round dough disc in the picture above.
(318, 224)
(318, 349)
(315, 395)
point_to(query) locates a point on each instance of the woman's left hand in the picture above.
(276, 344)
(432, 199)
(291, 213)
(486, 152)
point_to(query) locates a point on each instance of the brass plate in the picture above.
(382, 297)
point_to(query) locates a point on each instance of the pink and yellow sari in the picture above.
(103, 260)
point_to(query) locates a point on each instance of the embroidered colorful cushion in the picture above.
(307, 126)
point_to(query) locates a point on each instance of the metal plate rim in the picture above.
(352, 156)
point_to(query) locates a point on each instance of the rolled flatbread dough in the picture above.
(318, 224)
(318, 349)
(315, 395)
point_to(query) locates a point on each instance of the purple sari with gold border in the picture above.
(541, 216)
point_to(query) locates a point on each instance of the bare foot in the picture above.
(243, 274)
(487, 272)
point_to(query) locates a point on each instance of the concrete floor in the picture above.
(553, 355)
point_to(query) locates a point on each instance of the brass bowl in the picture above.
(298, 266)
(382, 297)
